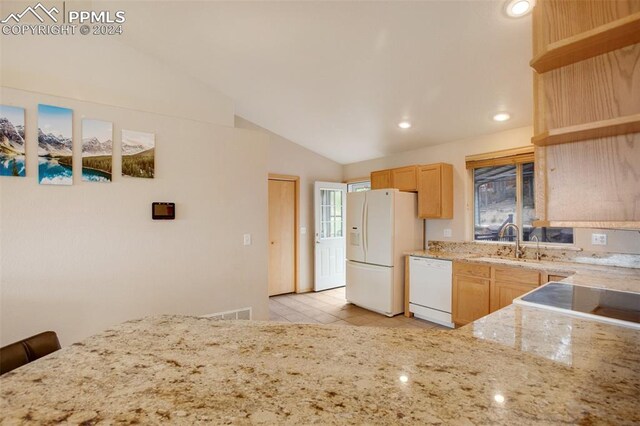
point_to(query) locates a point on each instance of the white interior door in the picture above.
(330, 230)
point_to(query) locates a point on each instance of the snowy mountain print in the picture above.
(12, 144)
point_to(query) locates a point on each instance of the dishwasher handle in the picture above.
(430, 262)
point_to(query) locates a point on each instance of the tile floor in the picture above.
(331, 307)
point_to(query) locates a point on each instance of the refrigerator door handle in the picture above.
(365, 227)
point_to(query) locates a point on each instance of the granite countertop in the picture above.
(594, 275)
(438, 254)
(550, 256)
(517, 366)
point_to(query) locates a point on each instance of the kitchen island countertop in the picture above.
(517, 366)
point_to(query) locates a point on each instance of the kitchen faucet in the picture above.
(518, 253)
(535, 238)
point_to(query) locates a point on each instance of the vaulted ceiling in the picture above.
(337, 77)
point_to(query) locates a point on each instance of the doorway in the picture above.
(330, 221)
(283, 239)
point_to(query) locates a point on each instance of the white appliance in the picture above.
(382, 225)
(430, 289)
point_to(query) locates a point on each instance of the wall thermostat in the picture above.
(163, 211)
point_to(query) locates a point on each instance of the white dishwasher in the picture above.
(430, 289)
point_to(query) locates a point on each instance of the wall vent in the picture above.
(238, 314)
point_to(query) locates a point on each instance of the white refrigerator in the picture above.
(382, 226)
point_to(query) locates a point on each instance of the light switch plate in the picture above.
(247, 239)
(303, 230)
(599, 239)
(447, 233)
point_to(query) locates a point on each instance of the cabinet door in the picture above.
(503, 293)
(405, 178)
(435, 191)
(551, 277)
(429, 192)
(510, 283)
(381, 179)
(471, 269)
(470, 299)
(517, 275)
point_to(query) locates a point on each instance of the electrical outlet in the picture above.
(599, 239)
(247, 239)
(303, 230)
(447, 233)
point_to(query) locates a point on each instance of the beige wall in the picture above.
(454, 152)
(286, 157)
(81, 258)
(102, 70)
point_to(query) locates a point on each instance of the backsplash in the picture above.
(549, 254)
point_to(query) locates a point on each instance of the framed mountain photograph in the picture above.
(138, 154)
(55, 145)
(97, 150)
(12, 145)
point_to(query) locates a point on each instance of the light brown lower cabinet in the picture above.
(552, 277)
(471, 289)
(480, 289)
(470, 298)
(503, 293)
(509, 283)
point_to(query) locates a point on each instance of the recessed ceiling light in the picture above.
(519, 8)
(501, 116)
(404, 124)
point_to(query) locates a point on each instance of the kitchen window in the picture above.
(504, 192)
(359, 186)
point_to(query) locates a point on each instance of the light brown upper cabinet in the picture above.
(435, 191)
(402, 178)
(381, 179)
(587, 141)
(405, 178)
(434, 183)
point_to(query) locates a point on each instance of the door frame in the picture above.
(343, 187)
(296, 221)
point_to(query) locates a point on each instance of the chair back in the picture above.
(41, 344)
(25, 351)
(13, 356)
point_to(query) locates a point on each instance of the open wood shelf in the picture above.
(587, 224)
(605, 38)
(597, 129)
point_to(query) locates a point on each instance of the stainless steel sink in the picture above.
(505, 260)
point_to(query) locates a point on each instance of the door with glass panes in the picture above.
(330, 209)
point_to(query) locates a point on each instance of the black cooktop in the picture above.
(614, 304)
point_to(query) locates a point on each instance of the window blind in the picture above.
(501, 158)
